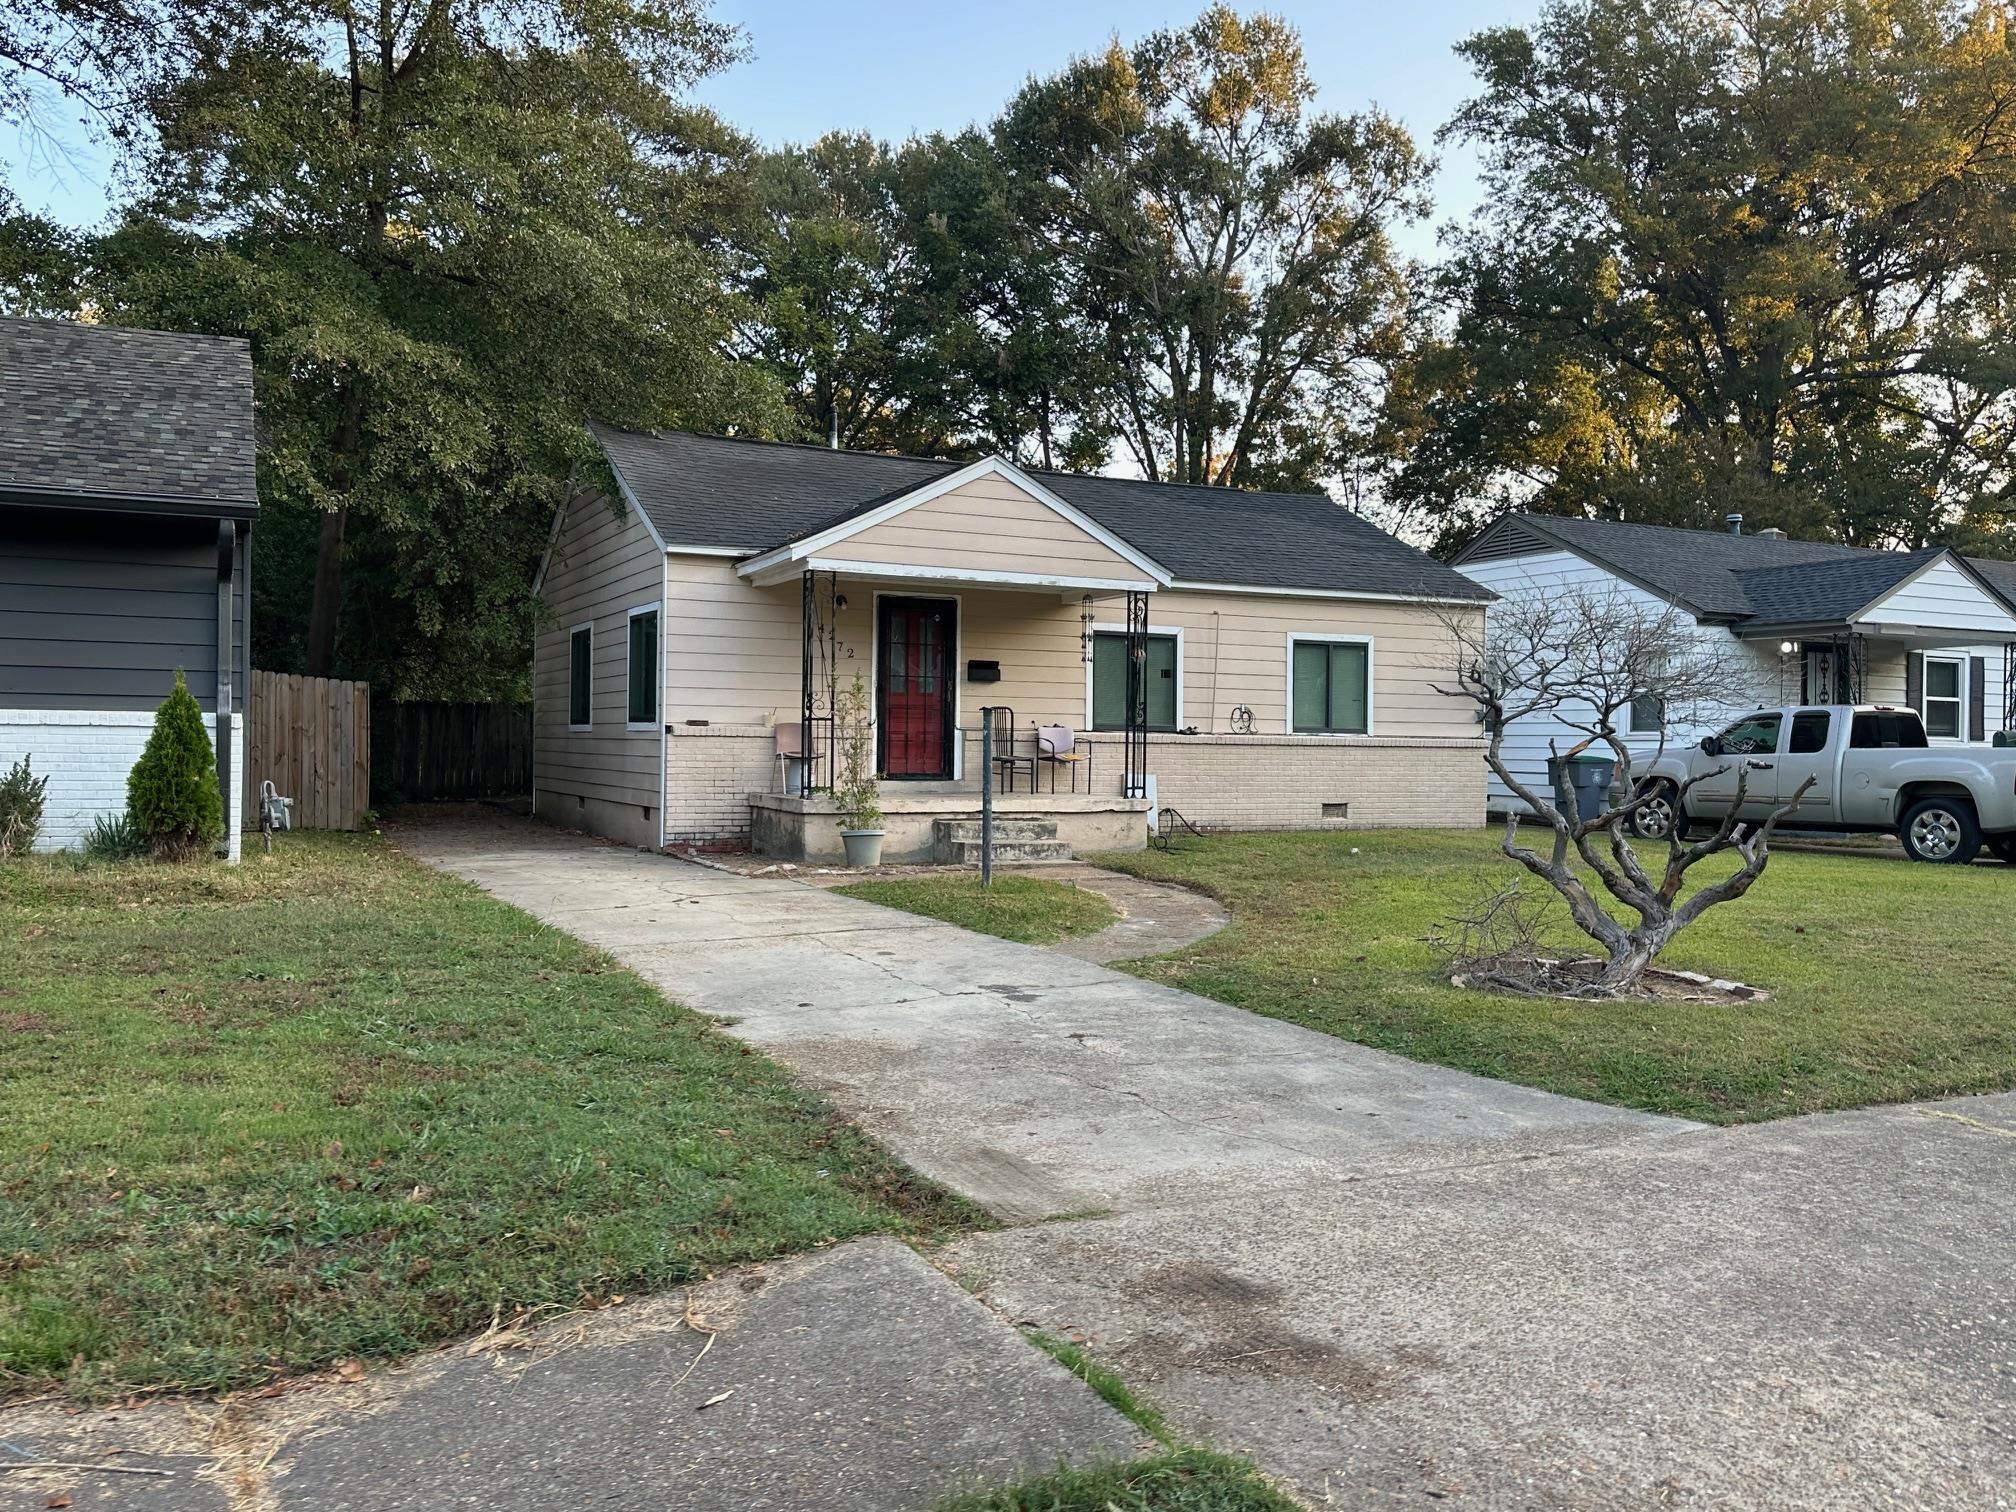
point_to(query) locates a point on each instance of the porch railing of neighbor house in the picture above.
(819, 678)
(2009, 686)
(1843, 670)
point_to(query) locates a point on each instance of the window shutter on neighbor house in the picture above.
(1977, 698)
(1914, 680)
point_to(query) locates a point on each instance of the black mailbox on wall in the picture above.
(983, 671)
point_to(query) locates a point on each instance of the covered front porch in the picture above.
(1017, 670)
(1962, 683)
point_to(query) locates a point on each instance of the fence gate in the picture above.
(311, 737)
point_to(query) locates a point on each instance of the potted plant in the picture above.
(858, 794)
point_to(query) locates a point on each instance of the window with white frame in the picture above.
(641, 702)
(1109, 680)
(1945, 692)
(1330, 686)
(1648, 714)
(580, 677)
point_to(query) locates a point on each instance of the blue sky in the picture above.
(895, 69)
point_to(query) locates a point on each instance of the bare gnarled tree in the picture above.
(1581, 657)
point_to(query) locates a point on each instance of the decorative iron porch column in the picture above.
(818, 671)
(1135, 739)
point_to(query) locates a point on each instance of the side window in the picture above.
(1755, 736)
(580, 677)
(1809, 732)
(1944, 691)
(641, 705)
(1648, 714)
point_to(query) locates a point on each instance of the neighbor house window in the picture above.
(1648, 714)
(1943, 690)
(581, 676)
(1109, 681)
(643, 674)
(1331, 692)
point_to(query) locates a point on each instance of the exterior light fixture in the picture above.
(1786, 648)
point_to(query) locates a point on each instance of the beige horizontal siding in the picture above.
(988, 525)
(733, 651)
(604, 564)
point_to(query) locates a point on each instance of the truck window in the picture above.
(1755, 736)
(1886, 731)
(1810, 728)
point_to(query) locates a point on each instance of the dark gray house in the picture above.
(127, 494)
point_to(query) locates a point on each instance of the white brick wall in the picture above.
(86, 757)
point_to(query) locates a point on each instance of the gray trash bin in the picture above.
(1589, 774)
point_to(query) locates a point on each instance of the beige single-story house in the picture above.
(1243, 659)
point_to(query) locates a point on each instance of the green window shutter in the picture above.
(1348, 702)
(1109, 682)
(1310, 698)
(644, 668)
(580, 687)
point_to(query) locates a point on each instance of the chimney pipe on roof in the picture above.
(1735, 523)
(1772, 533)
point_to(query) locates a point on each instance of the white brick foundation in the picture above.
(86, 757)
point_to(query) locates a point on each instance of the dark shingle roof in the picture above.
(1750, 577)
(728, 494)
(116, 414)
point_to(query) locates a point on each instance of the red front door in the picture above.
(914, 687)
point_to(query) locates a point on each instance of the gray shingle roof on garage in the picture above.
(725, 494)
(103, 413)
(1728, 577)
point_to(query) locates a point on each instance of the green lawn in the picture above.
(1890, 980)
(1028, 909)
(1181, 1480)
(333, 1104)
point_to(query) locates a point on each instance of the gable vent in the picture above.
(1507, 538)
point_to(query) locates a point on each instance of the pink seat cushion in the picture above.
(1056, 740)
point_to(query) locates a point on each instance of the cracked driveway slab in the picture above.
(858, 1379)
(1034, 1083)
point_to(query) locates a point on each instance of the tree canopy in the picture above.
(1735, 254)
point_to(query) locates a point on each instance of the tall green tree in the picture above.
(1224, 249)
(837, 307)
(452, 230)
(1736, 254)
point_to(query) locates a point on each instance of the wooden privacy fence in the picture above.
(311, 737)
(442, 752)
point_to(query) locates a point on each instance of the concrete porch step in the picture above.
(1005, 829)
(1019, 852)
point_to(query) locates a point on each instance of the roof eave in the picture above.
(197, 507)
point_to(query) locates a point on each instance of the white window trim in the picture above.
(1296, 638)
(658, 670)
(957, 677)
(1168, 632)
(1961, 698)
(572, 631)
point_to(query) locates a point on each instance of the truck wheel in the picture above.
(1941, 830)
(1655, 818)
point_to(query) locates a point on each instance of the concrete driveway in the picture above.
(1387, 1281)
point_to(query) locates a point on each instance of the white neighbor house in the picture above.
(1807, 621)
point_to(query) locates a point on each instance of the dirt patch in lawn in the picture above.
(1573, 979)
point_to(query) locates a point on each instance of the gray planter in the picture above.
(864, 846)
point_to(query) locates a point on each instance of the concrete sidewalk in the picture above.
(856, 1379)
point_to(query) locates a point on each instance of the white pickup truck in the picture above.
(1873, 771)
